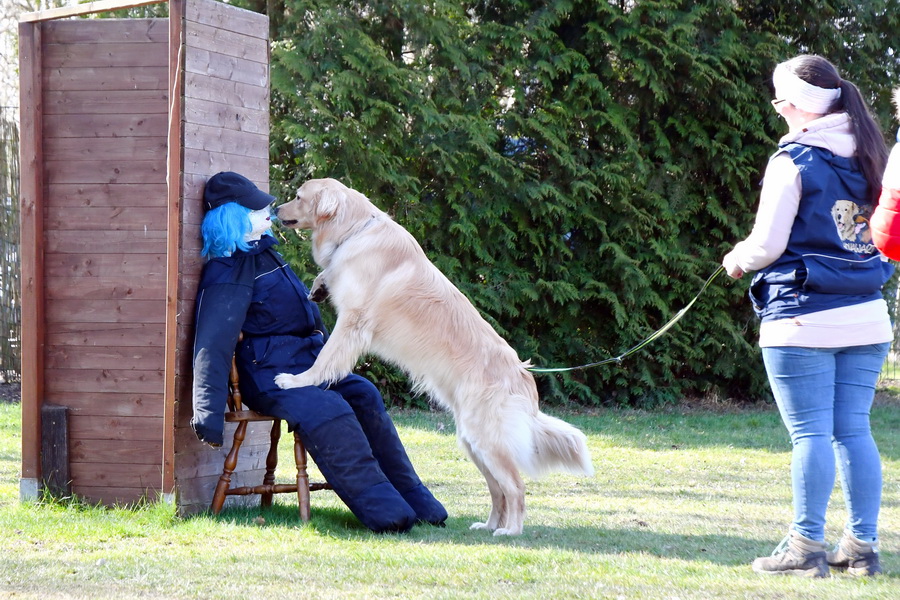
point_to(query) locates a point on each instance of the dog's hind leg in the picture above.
(498, 507)
(513, 490)
(349, 340)
(507, 490)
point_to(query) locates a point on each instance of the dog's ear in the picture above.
(328, 202)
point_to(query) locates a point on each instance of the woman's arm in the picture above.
(778, 204)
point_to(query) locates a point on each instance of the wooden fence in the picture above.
(126, 119)
(9, 246)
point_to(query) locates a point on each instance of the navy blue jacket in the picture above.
(825, 265)
(257, 293)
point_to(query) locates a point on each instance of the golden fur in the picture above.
(392, 301)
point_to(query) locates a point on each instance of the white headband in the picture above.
(802, 94)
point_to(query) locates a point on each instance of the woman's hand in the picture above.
(731, 267)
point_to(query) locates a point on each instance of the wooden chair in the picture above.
(237, 414)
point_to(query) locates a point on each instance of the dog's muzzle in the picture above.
(288, 223)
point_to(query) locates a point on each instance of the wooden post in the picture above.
(174, 158)
(31, 239)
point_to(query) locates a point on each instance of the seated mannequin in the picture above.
(246, 287)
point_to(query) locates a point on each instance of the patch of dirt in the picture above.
(10, 392)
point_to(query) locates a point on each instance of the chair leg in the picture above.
(265, 500)
(230, 464)
(302, 478)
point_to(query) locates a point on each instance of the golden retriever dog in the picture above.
(393, 302)
(844, 212)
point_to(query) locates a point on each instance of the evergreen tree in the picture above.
(577, 168)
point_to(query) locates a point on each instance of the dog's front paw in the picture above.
(319, 293)
(479, 526)
(287, 381)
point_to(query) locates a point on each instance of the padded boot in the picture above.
(856, 557)
(391, 455)
(795, 555)
(335, 439)
(342, 454)
(428, 509)
(388, 450)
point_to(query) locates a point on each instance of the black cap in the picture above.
(228, 186)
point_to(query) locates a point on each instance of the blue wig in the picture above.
(223, 230)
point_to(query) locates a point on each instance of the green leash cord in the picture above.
(659, 332)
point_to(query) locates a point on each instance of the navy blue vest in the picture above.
(830, 260)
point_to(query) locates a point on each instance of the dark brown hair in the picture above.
(871, 151)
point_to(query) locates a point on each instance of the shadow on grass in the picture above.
(340, 524)
(326, 521)
(757, 427)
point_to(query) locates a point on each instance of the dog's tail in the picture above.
(558, 446)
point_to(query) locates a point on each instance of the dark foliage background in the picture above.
(577, 168)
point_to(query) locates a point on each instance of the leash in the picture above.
(659, 332)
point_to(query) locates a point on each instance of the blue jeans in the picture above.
(824, 396)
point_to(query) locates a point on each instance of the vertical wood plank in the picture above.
(32, 243)
(173, 256)
(206, 99)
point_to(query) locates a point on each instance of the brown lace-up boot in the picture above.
(795, 555)
(859, 558)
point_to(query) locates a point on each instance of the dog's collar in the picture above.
(356, 231)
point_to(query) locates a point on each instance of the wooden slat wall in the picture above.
(224, 127)
(104, 133)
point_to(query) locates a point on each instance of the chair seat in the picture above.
(246, 415)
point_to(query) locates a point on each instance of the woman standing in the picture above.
(824, 329)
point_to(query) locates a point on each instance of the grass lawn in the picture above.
(682, 501)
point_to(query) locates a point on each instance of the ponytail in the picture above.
(871, 151)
